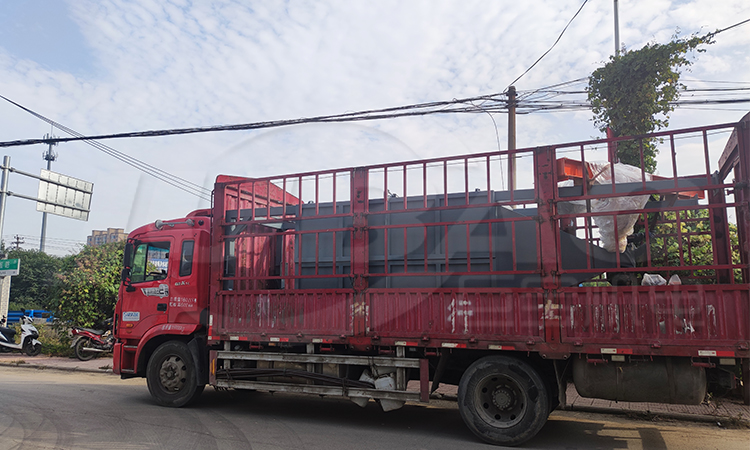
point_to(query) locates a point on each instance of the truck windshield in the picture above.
(150, 262)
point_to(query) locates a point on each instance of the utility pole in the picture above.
(617, 31)
(4, 191)
(512, 138)
(49, 156)
(17, 243)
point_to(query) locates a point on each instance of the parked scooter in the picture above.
(88, 342)
(29, 334)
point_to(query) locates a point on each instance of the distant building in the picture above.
(99, 237)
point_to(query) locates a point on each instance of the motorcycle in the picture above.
(88, 342)
(29, 334)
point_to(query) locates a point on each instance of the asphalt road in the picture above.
(48, 409)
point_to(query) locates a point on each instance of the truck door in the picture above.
(186, 298)
(146, 301)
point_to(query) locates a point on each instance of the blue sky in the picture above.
(43, 31)
(101, 66)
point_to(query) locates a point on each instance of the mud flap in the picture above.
(562, 372)
(116, 361)
(199, 352)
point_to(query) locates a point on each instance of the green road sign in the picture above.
(9, 267)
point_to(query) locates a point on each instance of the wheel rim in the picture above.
(81, 347)
(172, 373)
(500, 401)
(32, 349)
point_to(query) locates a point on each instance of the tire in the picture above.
(32, 349)
(80, 352)
(503, 400)
(171, 375)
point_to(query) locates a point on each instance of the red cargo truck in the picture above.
(354, 282)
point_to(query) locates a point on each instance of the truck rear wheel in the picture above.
(171, 376)
(503, 400)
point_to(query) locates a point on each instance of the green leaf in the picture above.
(633, 94)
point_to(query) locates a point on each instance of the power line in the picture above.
(155, 172)
(159, 174)
(56, 240)
(52, 243)
(697, 108)
(489, 104)
(716, 81)
(552, 88)
(452, 106)
(718, 90)
(553, 45)
(538, 100)
(729, 27)
(564, 97)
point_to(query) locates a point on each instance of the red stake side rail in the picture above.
(438, 253)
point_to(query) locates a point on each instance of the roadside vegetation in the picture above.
(55, 339)
(80, 290)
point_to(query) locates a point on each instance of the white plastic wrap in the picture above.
(653, 279)
(602, 175)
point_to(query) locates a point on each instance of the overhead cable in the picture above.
(489, 103)
(553, 45)
(421, 109)
(155, 172)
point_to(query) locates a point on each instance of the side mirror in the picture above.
(127, 263)
(125, 276)
(128, 255)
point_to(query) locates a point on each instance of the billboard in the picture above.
(63, 195)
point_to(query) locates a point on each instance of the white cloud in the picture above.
(160, 64)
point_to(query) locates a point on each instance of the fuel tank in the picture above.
(661, 380)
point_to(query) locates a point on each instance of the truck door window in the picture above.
(186, 258)
(150, 262)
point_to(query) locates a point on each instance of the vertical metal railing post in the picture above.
(360, 253)
(546, 193)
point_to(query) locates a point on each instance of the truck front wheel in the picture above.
(503, 400)
(171, 376)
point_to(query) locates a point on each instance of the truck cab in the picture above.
(164, 291)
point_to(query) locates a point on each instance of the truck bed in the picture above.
(439, 253)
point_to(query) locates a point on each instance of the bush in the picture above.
(55, 339)
(88, 286)
(35, 285)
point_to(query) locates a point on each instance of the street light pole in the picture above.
(4, 191)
